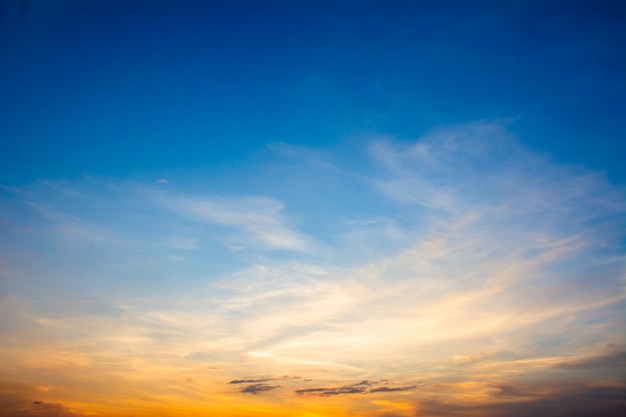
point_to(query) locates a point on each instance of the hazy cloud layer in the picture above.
(571, 401)
(460, 265)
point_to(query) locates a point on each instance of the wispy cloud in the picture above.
(499, 267)
(363, 387)
(607, 360)
(259, 218)
(250, 381)
(258, 388)
(357, 388)
(392, 389)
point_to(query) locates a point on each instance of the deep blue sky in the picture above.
(114, 88)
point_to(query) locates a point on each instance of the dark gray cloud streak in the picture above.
(250, 381)
(363, 387)
(258, 388)
(358, 388)
(391, 389)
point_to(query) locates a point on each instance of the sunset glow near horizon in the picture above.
(273, 208)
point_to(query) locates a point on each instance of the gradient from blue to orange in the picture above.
(312, 208)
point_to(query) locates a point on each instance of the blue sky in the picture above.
(118, 88)
(312, 208)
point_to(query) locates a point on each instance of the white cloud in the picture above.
(507, 231)
(493, 250)
(260, 218)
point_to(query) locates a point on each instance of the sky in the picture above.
(312, 208)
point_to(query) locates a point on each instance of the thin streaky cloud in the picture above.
(250, 381)
(257, 389)
(260, 218)
(392, 389)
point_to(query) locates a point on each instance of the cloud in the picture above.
(42, 409)
(260, 218)
(392, 389)
(560, 401)
(482, 166)
(16, 401)
(258, 388)
(470, 263)
(162, 181)
(73, 228)
(357, 388)
(249, 381)
(612, 360)
(362, 387)
(462, 359)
